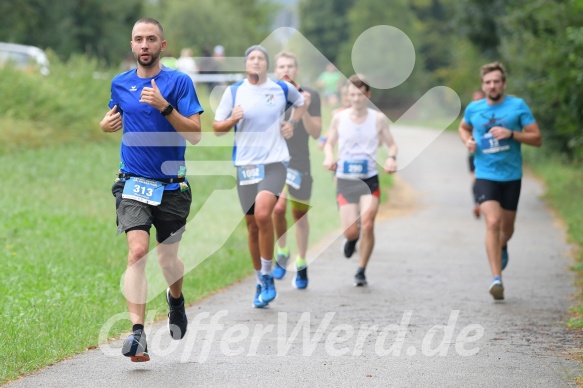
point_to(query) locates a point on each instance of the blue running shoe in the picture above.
(301, 279)
(257, 302)
(135, 347)
(497, 289)
(280, 266)
(504, 257)
(268, 292)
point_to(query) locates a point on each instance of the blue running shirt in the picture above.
(498, 161)
(151, 147)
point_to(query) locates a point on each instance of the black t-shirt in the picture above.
(298, 143)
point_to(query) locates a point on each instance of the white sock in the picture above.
(258, 274)
(265, 267)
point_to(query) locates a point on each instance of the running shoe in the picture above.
(135, 347)
(177, 320)
(257, 302)
(280, 266)
(497, 289)
(301, 279)
(359, 279)
(349, 248)
(268, 292)
(504, 257)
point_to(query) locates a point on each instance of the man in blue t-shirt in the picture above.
(493, 129)
(158, 109)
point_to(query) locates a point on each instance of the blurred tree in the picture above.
(365, 14)
(436, 32)
(97, 28)
(234, 25)
(479, 21)
(324, 23)
(542, 44)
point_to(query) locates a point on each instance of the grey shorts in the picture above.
(169, 218)
(304, 193)
(349, 191)
(275, 175)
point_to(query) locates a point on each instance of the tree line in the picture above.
(539, 41)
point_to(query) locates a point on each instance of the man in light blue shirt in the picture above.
(494, 129)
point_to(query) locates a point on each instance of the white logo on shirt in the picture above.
(133, 89)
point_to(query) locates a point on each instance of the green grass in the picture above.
(564, 190)
(61, 259)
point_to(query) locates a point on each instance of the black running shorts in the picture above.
(505, 193)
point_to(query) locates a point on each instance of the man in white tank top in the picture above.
(358, 131)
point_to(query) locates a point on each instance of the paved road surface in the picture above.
(428, 268)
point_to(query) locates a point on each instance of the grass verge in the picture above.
(564, 189)
(62, 261)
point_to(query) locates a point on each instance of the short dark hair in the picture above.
(490, 67)
(359, 81)
(151, 21)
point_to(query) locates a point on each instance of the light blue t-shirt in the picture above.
(151, 147)
(498, 160)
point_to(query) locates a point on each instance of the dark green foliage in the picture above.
(93, 27)
(325, 24)
(234, 25)
(541, 44)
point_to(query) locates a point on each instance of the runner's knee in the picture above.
(279, 210)
(136, 253)
(367, 226)
(493, 223)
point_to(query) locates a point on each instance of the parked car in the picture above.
(28, 58)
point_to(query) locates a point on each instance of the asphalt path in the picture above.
(426, 318)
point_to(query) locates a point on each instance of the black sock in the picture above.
(176, 302)
(137, 326)
(360, 270)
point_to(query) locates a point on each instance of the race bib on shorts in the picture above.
(490, 145)
(251, 174)
(355, 168)
(144, 190)
(294, 178)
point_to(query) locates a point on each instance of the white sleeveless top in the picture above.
(357, 146)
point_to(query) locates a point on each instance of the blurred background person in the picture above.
(329, 83)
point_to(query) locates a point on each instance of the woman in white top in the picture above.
(255, 107)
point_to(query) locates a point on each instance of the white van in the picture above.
(29, 58)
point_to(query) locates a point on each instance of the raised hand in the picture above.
(153, 97)
(237, 114)
(112, 121)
